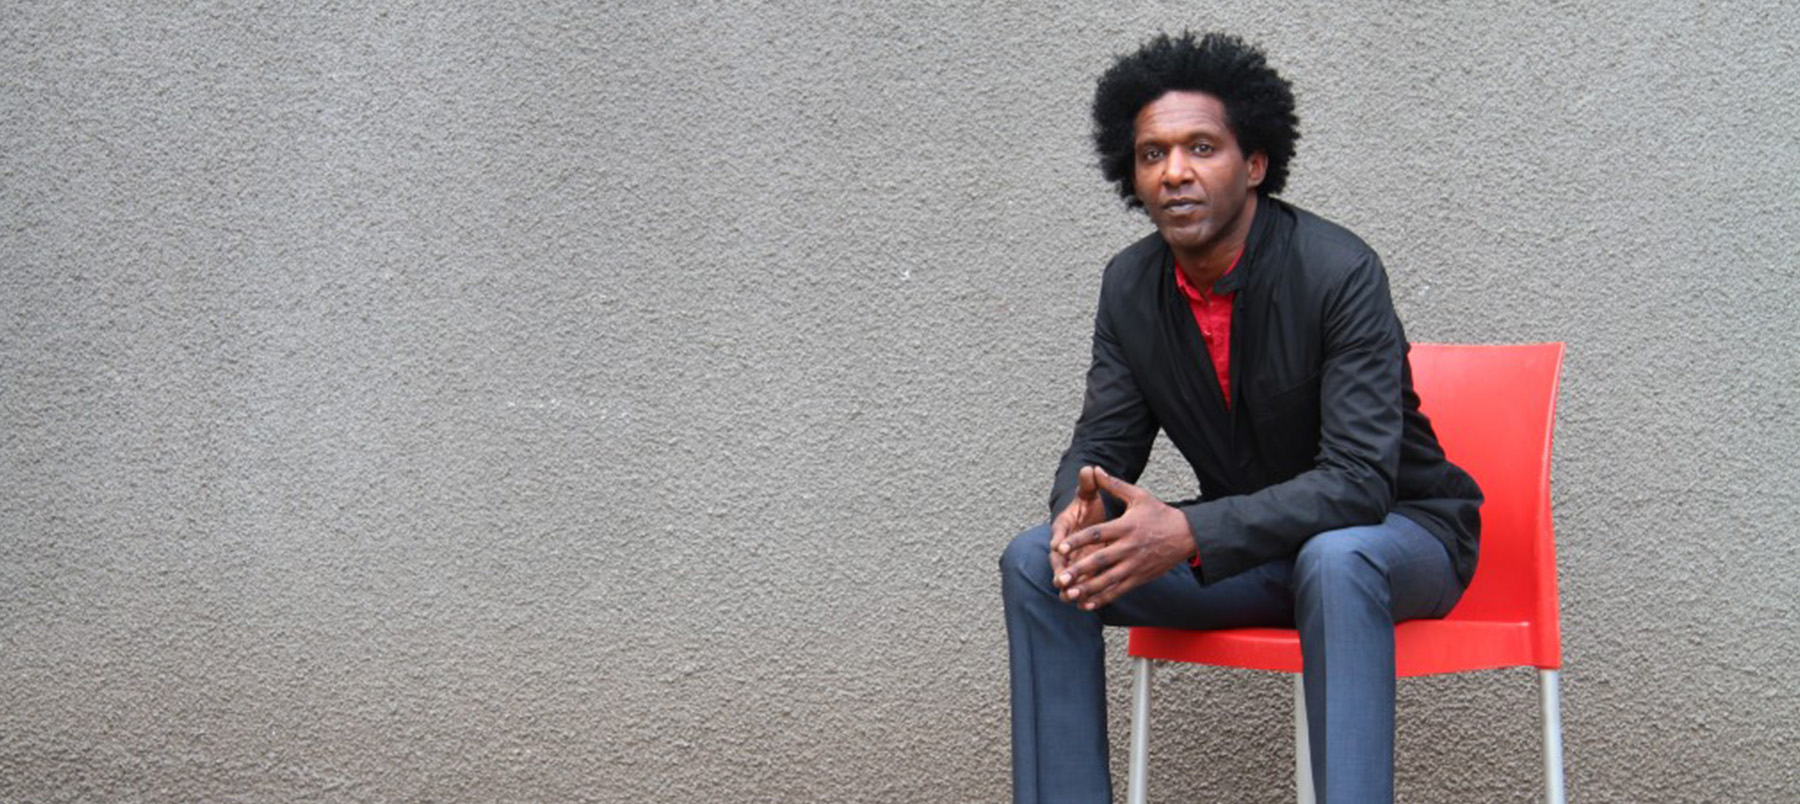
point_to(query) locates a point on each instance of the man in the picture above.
(1263, 341)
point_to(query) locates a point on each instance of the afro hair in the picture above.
(1259, 103)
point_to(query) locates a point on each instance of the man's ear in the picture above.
(1259, 168)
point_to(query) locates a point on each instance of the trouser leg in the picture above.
(1350, 587)
(1058, 662)
(1058, 682)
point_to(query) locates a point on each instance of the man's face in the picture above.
(1191, 175)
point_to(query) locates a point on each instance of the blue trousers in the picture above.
(1344, 591)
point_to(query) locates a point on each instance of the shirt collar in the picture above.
(1218, 288)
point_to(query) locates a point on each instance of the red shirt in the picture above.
(1212, 313)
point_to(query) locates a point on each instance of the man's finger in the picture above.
(1094, 534)
(1079, 510)
(1077, 576)
(1086, 482)
(1066, 522)
(1090, 563)
(1105, 587)
(1126, 492)
(1060, 574)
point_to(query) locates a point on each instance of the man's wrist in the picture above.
(1187, 530)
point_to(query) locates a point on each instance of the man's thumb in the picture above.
(1085, 481)
(1126, 492)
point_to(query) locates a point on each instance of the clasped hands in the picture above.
(1094, 560)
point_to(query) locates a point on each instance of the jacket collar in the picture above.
(1253, 246)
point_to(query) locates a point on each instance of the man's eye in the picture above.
(1202, 148)
(1152, 154)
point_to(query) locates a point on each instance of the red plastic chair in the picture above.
(1493, 408)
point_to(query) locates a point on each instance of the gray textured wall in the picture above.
(629, 404)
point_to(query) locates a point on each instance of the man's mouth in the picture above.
(1181, 206)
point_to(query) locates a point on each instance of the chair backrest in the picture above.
(1494, 410)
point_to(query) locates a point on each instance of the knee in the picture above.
(1025, 563)
(1335, 562)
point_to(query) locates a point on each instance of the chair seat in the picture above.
(1422, 647)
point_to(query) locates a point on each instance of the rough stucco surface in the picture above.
(629, 404)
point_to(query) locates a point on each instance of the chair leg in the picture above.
(1550, 689)
(1140, 730)
(1303, 777)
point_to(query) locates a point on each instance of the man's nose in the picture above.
(1177, 169)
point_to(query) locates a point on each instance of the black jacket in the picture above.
(1324, 430)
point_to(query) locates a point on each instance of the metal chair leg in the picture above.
(1550, 689)
(1140, 730)
(1303, 777)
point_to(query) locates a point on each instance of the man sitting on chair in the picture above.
(1263, 341)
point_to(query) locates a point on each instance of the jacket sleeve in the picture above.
(1353, 477)
(1117, 428)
